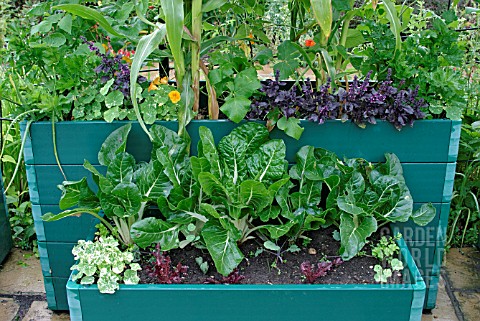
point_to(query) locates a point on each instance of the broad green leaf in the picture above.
(254, 135)
(89, 14)
(152, 181)
(213, 187)
(96, 174)
(305, 166)
(54, 40)
(290, 126)
(120, 169)
(114, 99)
(396, 197)
(349, 205)
(311, 193)
(162, 136)
(424, 215)
(77, 194)
(145, 47)
(174, 161)
(66, 23)
(354, 231)
(395, 24)
(236, 108)
(268, 162)
(314, 219)
(43, 27)
(209, 150)
(115, 143)
(356, 185)
(151, 231)
(277, 231)
(246, 83)
(232, 149)
(222, 247)
(104, 90)
(50, 217)
(269, 245)
(124, 201)
(322, 10)
(393, 166)
(269, 213)
(255, 195)
(111, 114)
(210, 210)
(354, 38)
(199, 164)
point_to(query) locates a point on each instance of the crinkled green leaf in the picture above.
(254, 194)
(152, 181)
(120, 169)
(151, 231)
(223, 249)
(268, 162)
(115, 143)
(77, 194)
(354, 231)
(424, 215)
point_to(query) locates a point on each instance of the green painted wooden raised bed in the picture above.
(355, 302)
(427, 151)
(5, 232)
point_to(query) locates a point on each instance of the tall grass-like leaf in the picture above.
(322, 10)
(395, 24)
(89, 14)
(175, 20)
(211, 5)
(145, 47)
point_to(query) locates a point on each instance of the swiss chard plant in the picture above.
(239, 179)
(128, 188)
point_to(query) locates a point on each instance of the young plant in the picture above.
(103, 263)
(311, 273)
(161, 268)
(385, 251)
(233, 278)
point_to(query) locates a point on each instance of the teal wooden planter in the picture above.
(5, 232)
(358, 302)
(428, 153)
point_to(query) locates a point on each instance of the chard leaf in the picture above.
(424, 215)
(253, 134)
(152, 181)
(213, 187)
(356, 185)
(115, 143)
(354, 231)
(394, 194)
(96, 174)
(268, 161)
(209, 210)
(151, 230)
(254, 195)
(305, 166)
(124, 201)
(174, 161)
(120, 169)
(277, 231)
(349, 205)
(209, 151)
(222, 246)
(269, 213)
(199, 164)
(77, 193)
(314, 219)
(232, 149)
(180, 212)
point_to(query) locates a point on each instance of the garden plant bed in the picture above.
(266, 268)
(284, 302)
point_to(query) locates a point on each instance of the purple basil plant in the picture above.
(362, 102)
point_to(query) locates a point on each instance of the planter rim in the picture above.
(417, 283)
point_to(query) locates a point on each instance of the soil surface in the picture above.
(267, 268)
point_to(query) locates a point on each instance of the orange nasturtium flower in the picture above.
(164, 80)
(154, 83)
(174, 96)
(309, 43)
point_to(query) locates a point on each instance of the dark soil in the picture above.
(267, 268)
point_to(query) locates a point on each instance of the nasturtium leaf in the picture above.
(290, 126)
(115, 143)
(354, 231)
(236, 108)
(66, 23)
(114, 99)
(424, 215)
(152, 230)
(222, 246)
(268, 161)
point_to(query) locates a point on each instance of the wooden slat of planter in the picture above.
(426, 181)
(427, 142)
(69, 229)
(428, 256)
(56, 292)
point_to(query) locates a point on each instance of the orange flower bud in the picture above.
(309, 43)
